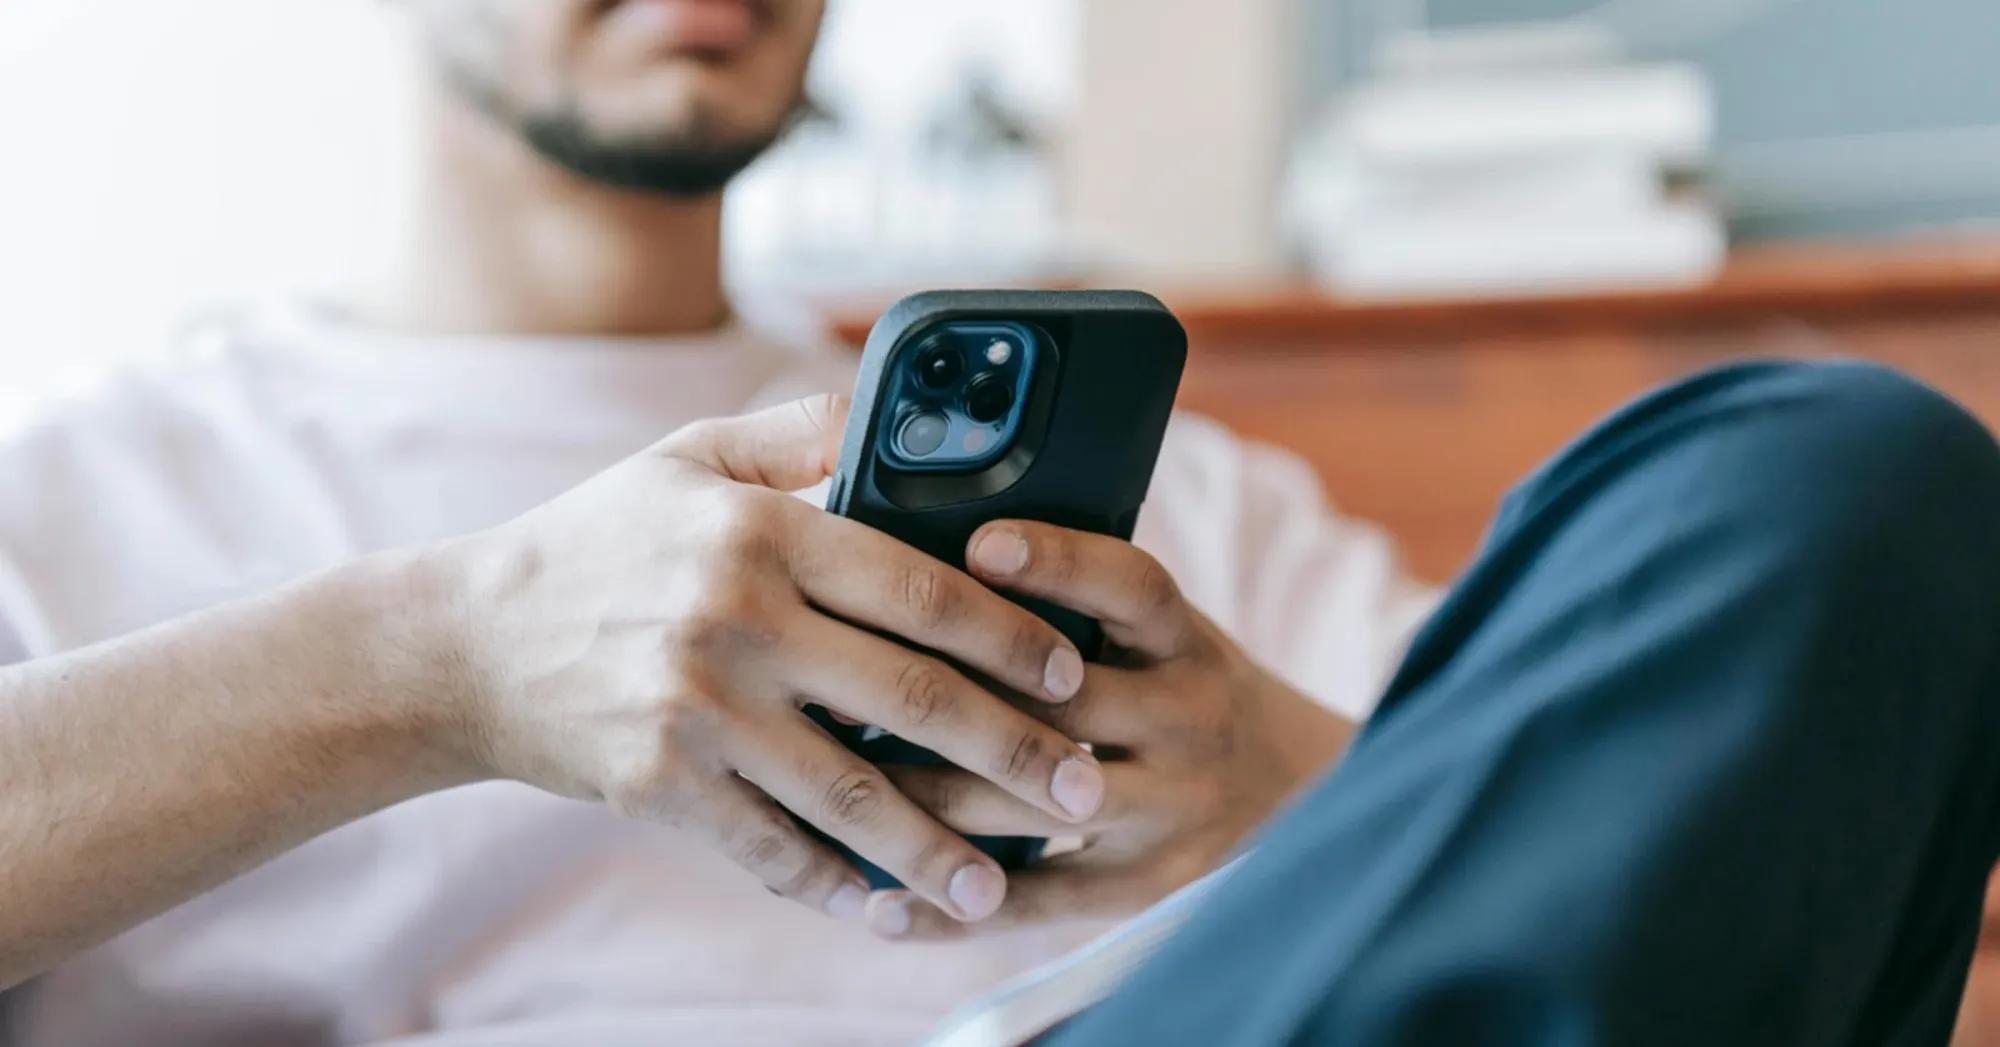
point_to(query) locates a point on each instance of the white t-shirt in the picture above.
(282, 439)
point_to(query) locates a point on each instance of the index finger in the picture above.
(787, 447)
(872, 579)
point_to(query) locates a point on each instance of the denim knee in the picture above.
(1814, 458)
(1844, 457)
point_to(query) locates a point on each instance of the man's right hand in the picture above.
(651, 637)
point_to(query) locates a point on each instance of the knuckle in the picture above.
(690, 719)
(650, 677)
(930, 597)
(685, 440)
(1067, 716)
(638, 803)
(704, 631)
(853, 798)
(944, 795)
(763, 851)
(925, 694)
(731, 618)
(822, 410)
(1020, 759)
(1029, 647)
(1153, 588)
(777, 859)
(939, 855)
(641, 785)
(1057, 556)
(734, 600)
(750, 524)
(1063, 560)
(794, 882)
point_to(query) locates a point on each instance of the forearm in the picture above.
(139, 772)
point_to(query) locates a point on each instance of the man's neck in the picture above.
(501, 242)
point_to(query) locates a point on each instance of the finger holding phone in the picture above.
(651, 638)
(979, 405)
(1046, 411)
(1200, 744)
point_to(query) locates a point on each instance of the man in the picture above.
(1702, 750)
(556, 306)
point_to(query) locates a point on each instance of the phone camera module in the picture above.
(954, 400)
(989, 398)
(939, 367)
(923, 433)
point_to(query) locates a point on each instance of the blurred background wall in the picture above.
(157, 154)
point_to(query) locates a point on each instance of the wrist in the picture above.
(396, 620)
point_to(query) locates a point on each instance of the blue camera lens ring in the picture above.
(977, 432)
(922, 433)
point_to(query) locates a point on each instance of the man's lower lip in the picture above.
(694, 25)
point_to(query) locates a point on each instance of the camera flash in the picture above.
(999, 352)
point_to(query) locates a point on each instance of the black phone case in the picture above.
(1098, 416)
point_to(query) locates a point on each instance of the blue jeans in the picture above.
(1703, 750)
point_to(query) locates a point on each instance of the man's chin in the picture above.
(687, 169)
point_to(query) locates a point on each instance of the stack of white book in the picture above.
(1457, 180)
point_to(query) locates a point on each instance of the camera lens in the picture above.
(939, 366)
(989, 399)
(922, 434)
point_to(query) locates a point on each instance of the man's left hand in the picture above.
(1199, 744)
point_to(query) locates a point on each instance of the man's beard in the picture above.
(692, 161)
(686, 164)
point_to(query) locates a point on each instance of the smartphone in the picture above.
(975, 406)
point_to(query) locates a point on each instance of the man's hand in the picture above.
(647, 639)
(1199, 744)
(650, 639)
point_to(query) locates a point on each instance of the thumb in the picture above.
(787, 447)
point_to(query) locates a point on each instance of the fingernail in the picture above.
(1078, 787)
(976, 890)
(1062, 677)
(847, 902)
(890, 917)
(1000, 552)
